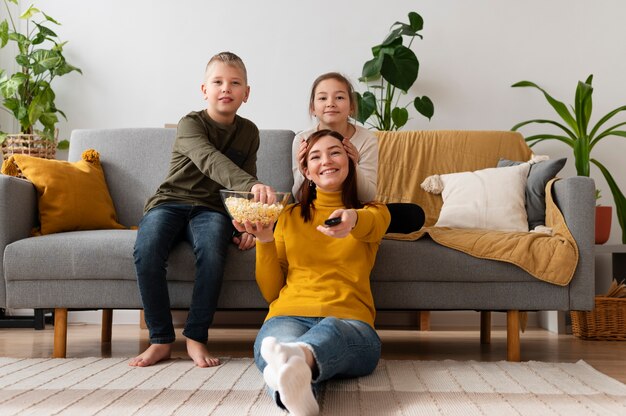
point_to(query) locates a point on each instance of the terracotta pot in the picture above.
(603, 223)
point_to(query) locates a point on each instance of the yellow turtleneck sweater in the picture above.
(306, 273)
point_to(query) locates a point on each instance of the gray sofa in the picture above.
(95, 269)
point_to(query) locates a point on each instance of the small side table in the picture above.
(618, 259)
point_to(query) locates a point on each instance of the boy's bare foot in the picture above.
(152, 355)
(199, 353)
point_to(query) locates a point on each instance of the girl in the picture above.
(321, 317)
(332, 103)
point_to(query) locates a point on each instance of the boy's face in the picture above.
(224, 90)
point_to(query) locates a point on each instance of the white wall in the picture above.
(143, 60)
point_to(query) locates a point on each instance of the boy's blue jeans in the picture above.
(209, 233)
(341, 347)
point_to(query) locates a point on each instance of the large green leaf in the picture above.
(366, 105)
(558, 106)
(424, 106)
(604, 119)
(371, 68)
(4, 33)
(399, 116)
(618, 197)
(401, 68)
(583, 106)
(570, 133)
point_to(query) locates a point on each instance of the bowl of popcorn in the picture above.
(246, 206)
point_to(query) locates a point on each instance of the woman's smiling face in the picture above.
(327, 164)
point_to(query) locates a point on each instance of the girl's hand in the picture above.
(351, 150)
(301, 155)
(349, 218)
(244, 241)
(263, 233)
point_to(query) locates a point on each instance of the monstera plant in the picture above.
(27, 93)
(389, 75)
(574, 129)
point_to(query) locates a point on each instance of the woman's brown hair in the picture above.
(308, 190)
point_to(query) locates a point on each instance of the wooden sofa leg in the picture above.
(107, 325)
(485, 327)
(60, 333)
(424, 319)
(512, 336)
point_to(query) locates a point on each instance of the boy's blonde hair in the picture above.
(227, 58)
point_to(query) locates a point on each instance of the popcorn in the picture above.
(242, 209)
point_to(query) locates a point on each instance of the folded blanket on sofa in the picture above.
(407, 158)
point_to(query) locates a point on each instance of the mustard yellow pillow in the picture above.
(72, 196)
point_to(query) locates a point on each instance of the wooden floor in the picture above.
(608, 357)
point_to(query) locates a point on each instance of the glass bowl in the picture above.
(242, 206)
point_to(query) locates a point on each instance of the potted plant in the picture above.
(390, 74)
(27, 93)
(576, 133)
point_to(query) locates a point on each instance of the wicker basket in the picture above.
(28, 144)
(607, 321)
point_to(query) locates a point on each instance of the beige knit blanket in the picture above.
(407, 158)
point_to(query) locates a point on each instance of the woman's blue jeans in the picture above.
(341, 347)
(209, 233)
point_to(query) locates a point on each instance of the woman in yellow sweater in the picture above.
(315, 278)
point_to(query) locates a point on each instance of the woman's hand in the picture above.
(349, 218)
(244, 241)
(263, 233)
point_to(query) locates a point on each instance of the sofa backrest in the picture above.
(136, 160)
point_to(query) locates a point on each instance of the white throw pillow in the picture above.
(491, 199)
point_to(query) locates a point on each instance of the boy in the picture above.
(214, 149)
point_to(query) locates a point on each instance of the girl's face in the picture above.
(331, 103)
(327, 164)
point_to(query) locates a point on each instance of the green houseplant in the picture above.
(28, 94)
(390, 74)
(576, 132)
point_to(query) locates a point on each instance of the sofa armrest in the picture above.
(575, 196)
(18, 214)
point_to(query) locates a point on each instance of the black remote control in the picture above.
(332, 221)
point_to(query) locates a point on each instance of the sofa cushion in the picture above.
(72, 196)
(540, 173)
(491, 199)
(102, 255)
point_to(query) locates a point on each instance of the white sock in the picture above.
(276, 355)
(294, 386)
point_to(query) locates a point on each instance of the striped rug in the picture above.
(108, 386)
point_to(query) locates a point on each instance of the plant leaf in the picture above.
(416, 22)
(582, 107)
(401, 68)
(365, 105)
(537, 138)
(606, 118)
(371, 68)
(542, 121)
(63, 145)
(558, 106)
(618, 197)
(30, 12)
(424, 106)
(4, 33)
(399, 116)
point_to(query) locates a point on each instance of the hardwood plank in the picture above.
(398, 344)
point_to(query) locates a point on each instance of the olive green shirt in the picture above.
(208, 156)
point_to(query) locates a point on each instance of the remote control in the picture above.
(332, 221)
